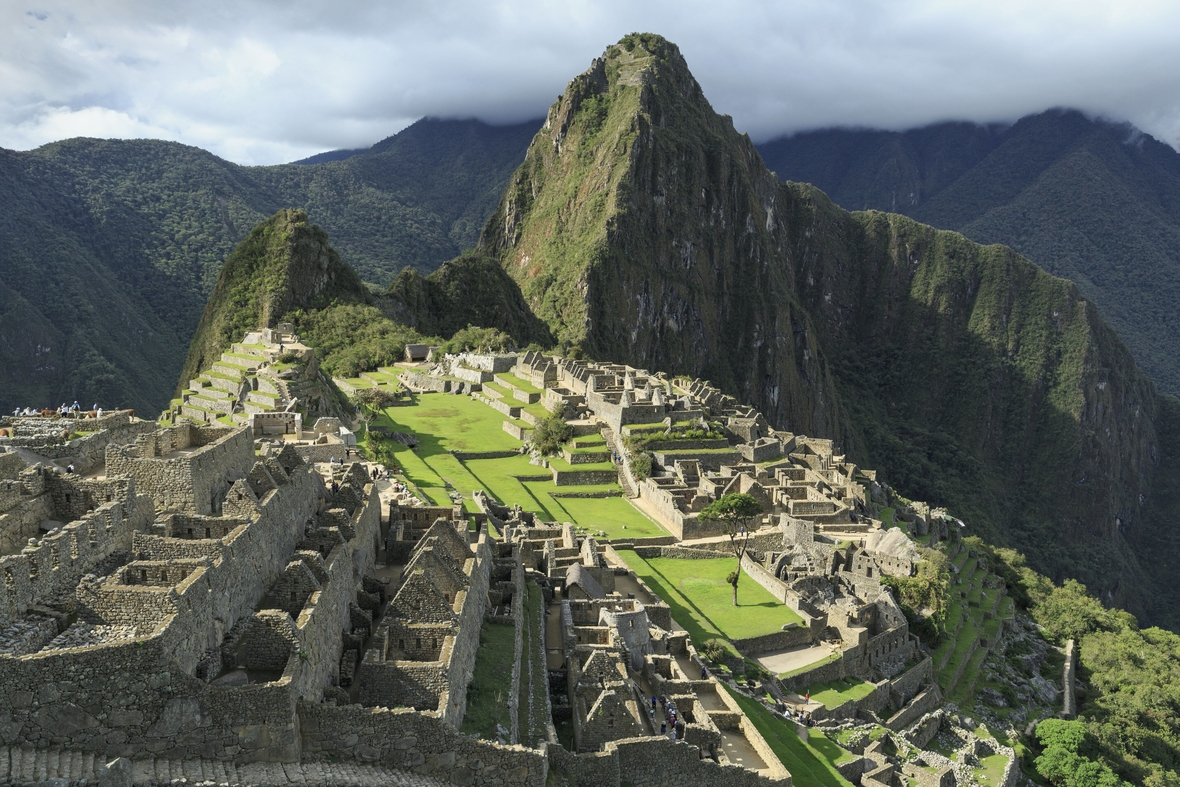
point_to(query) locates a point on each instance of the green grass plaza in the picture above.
(443, 423)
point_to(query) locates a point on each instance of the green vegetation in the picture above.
(269, 274)
(811, 763)
(487, 694)
(1066, 756)
(469, 290)
(444, 423)
(698, 592)
(551, 433)
(473, 339)
(354, 338)
(923, 598)
(140, 228)
(1061, 188)
(1128, 701)
(640, 465)
(736, 513)
(835, 693)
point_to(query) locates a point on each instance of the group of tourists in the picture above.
(672, 725)
(62, 410)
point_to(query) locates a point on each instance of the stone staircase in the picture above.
(625, 480)
(29, 766)
(237, 385)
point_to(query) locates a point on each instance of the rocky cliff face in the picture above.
(642, 227)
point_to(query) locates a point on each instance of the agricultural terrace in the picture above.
(702, 601)
(835, 693)
(444, 422)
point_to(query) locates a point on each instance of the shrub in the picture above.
(714, 650)
(640, 466)
(551, 432)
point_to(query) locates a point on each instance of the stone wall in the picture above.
(194, 483)
(60, 559)
(924, 703)
(906, 685)
(797, 636)
(584, 477)
(11, 464)
(321, 452)
(89, 452)
(419, 741)
(659, 762)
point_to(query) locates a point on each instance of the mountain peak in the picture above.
(284, 264)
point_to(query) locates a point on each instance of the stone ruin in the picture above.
(210, 595)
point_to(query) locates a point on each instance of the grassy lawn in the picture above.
(445, 422)
(991, 770)
(415, 470)
(702, 601)
(835, 693)
(811, 763)
(610, 514)
(487, 697)
(516, 382)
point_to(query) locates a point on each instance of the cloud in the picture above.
(263, 81)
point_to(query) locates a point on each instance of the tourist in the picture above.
(663, 728)
(653, 702)
(672, 733)
(70, 467)
(704, 673)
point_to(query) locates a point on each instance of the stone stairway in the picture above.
(625, 480)
(29, 766)
(234, 387)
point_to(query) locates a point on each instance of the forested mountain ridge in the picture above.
(1090, 200)
(642, 228)
(111, 247)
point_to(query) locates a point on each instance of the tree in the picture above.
(552, 431)
(735, 512)
(373, 400)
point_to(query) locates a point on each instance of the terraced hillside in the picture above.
(978, 610)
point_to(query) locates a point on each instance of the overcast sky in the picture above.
(268, 81)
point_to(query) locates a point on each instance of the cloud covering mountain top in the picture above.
(263, 81)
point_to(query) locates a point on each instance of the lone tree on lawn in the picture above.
(373, 400)
(736, 512)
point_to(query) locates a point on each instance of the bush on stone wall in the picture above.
(640, 466)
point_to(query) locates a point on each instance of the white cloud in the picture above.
(261, 81)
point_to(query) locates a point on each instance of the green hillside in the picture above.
(643, 228)
(111, 247)
(1089, 200)
(284, 264)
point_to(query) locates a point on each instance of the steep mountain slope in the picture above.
(642, 227)
(1092, 201)
(468, 290)
(285, 263)
(110, 248)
